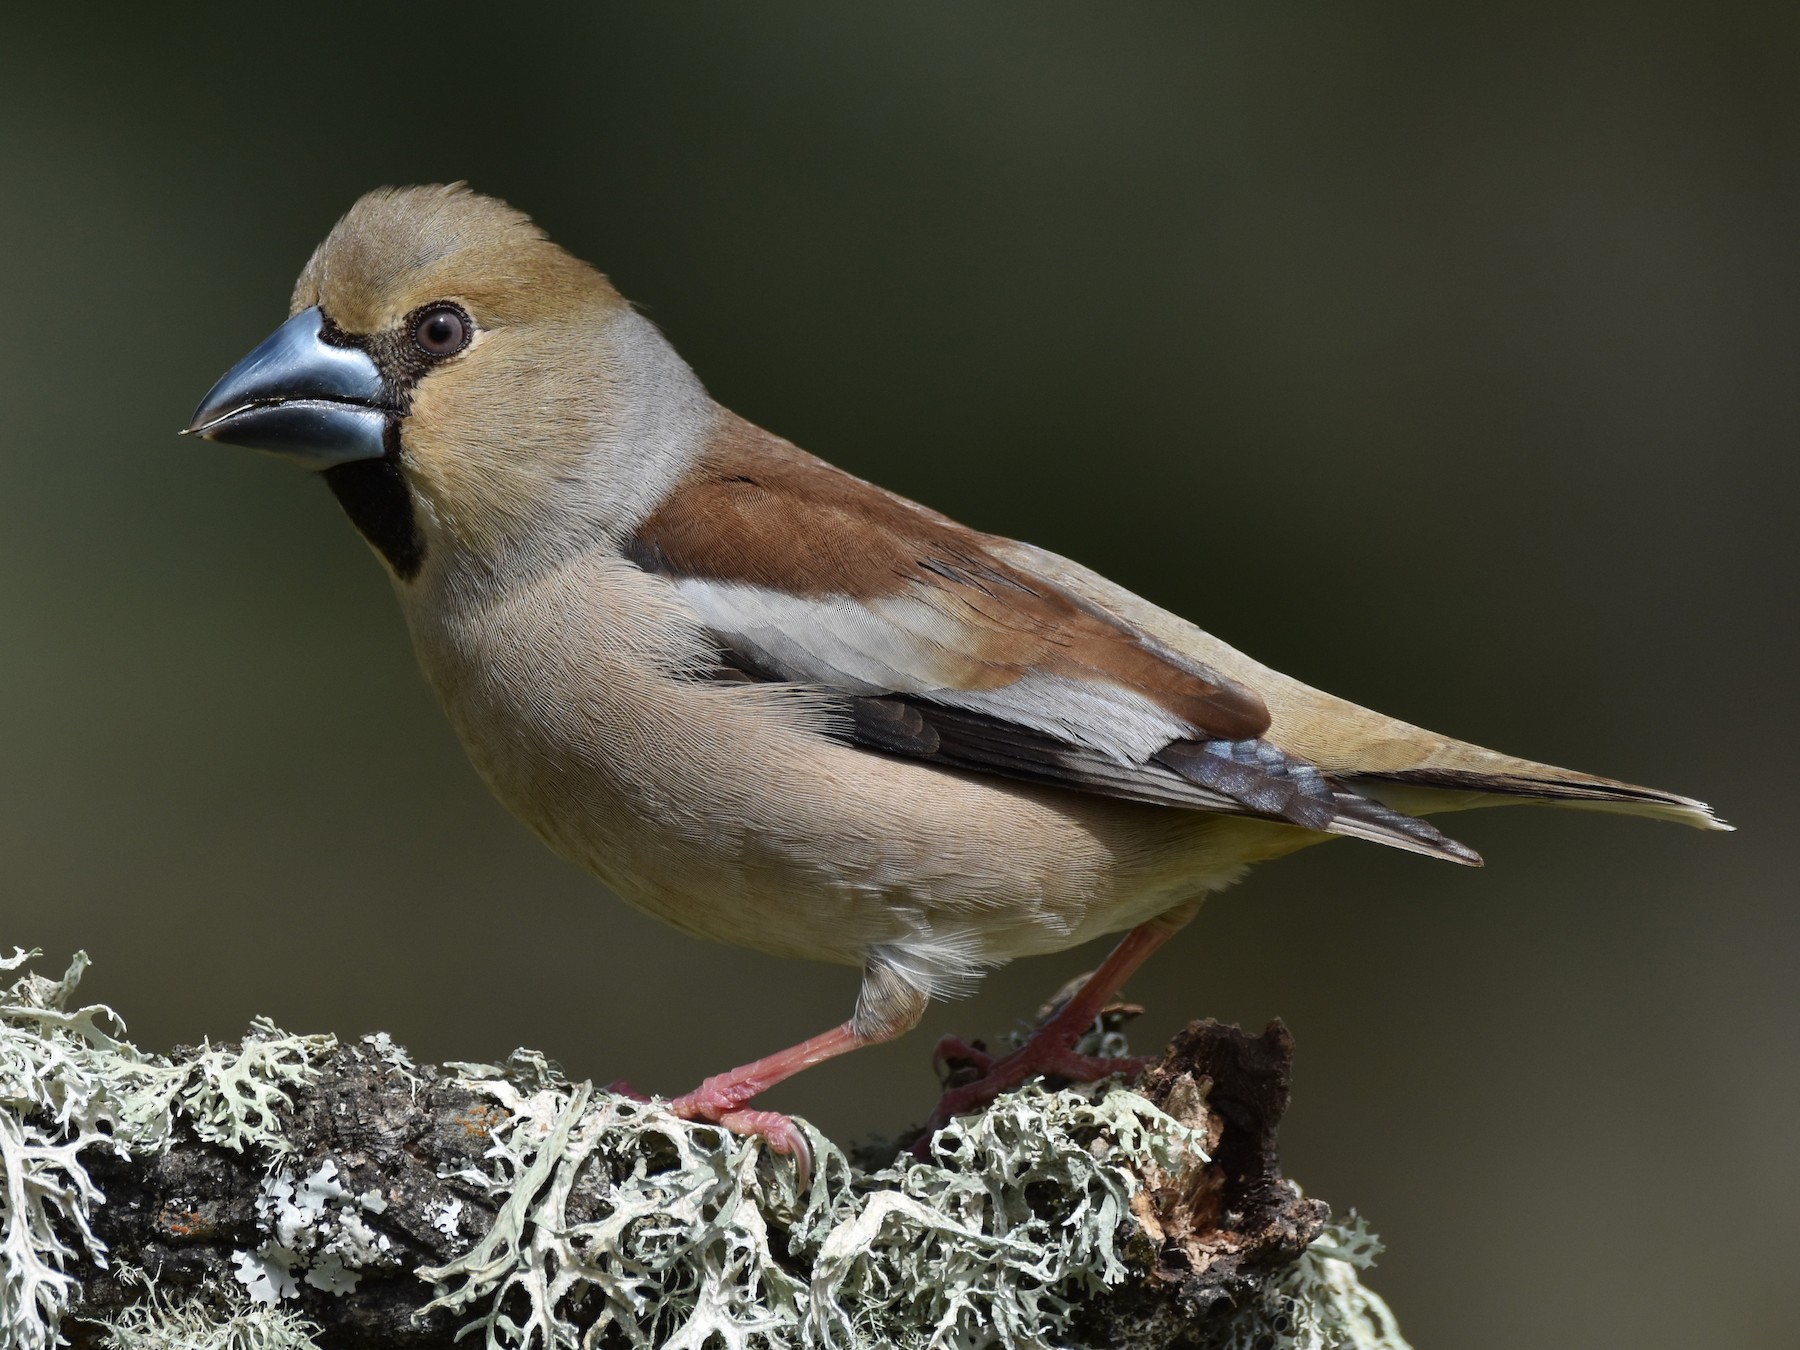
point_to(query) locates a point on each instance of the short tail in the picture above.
(1385, 806)
(1411, 769)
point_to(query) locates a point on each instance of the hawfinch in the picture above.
(776, 705)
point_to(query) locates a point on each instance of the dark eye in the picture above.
(442, 330)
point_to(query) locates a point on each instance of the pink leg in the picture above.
(887, 1005)
(721, 1098)
(1051, 1049)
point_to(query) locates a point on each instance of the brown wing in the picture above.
(945, 651)
(762, 515)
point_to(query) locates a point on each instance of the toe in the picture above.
(780, 1133)
(955, 1058)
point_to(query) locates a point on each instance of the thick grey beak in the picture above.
(300, 397)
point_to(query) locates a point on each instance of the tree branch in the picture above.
(303, 1187)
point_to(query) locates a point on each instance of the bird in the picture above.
(778, 706)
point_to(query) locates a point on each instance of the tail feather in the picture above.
(1538, 783)
(1412, 769)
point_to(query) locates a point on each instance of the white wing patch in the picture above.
(1124, 726)
(906, 645)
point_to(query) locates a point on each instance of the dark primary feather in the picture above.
(901, 724)
(1245, 777)
(1274, 783)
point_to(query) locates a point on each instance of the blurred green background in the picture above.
(1443, 356)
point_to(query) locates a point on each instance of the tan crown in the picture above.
(399, 248)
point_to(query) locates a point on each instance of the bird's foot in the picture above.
(716, 1102)
(1050, 1053)
(720, 1101)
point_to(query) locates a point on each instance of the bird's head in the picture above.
(465, 386)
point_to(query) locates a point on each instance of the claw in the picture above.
(782, 1136)
(720, 1102)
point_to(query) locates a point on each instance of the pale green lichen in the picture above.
(317, 1235)
(395, 1062)
(698, 1245)
(617, 1223)
(212, 1319)
(232, 1097)
(69, 1085)
(1318, 1302)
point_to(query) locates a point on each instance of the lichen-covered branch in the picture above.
(288, 1192)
